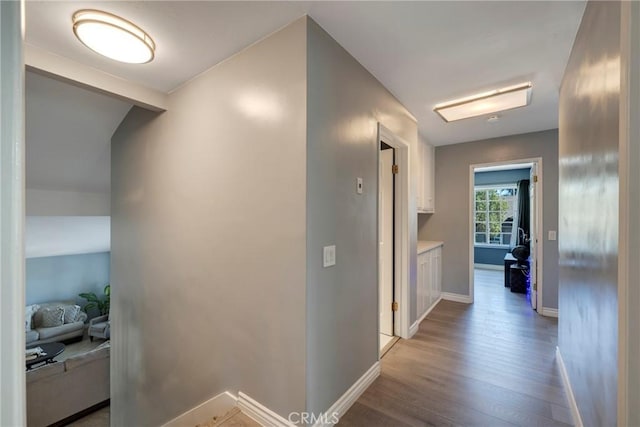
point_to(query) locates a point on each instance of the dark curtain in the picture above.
(523, 211)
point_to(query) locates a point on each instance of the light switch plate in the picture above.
(552, 235)
(359, 185)
(329, 256)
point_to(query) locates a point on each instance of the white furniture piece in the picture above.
(426, 177)
(429, 286)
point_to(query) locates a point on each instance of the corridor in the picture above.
(490, 363)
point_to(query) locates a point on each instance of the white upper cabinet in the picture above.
(426, 177)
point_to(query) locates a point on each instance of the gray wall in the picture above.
(588, 150)
(345, 103)
(59, 278)
(208, 239)
(450, 222)
(495, 256)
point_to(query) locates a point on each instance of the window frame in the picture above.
(487, 187)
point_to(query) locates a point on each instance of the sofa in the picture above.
(53, 322)
(62, 389)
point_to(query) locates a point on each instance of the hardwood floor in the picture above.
(491, 363)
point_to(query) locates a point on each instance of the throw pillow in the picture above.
(71, 313)
(52, 316)
(28, 316)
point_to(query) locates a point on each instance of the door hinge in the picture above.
(535, 178)
(394, 306)
(394, 169)
(535, 286)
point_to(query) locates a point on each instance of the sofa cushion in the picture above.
(84, 358)
(52, 316)
(71, 313)
(31, 336)
(29, 311)
(37, 317)
(46, 333)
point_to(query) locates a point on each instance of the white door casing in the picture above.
(402, 219)
(533, 234)
(537, 161)
(12, 200)
(385, 279)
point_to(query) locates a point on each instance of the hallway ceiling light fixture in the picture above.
(113, 37)
(485, 103)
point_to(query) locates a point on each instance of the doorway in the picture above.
(505, 212)
(386, 233)
(393, 296)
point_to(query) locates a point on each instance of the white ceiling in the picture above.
(423, 52)
(66, 235)
(68, 136)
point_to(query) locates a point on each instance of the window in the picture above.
(494, 210)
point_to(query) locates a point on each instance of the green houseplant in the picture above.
(101, 303)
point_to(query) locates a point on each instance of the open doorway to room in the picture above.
(68, 249)
(393, 239)
(505, 213)
(386, 233)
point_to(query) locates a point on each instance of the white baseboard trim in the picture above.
(342, 405)
(416, 325)
(573, 406)
(549, 312)
(489, 267)
(260, 413)
(456, 297)
(217, 406)
(413, 329)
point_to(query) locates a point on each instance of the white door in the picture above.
(533, 233)
(385, 281)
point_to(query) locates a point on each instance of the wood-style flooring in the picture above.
(491, 363)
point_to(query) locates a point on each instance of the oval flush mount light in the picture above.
(113, 37)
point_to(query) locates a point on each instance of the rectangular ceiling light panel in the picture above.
(485, 103)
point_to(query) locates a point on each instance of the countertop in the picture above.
(427, 245)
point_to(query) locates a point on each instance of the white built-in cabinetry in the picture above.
(426, 177)
(429, 284)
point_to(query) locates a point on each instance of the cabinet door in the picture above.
(420, 177)
(437, 266)
(422, 276)
(428, 294)
(429, 178)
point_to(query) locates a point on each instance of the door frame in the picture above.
(393, 233)
(539, 234)
(12, 210)
(401, 231)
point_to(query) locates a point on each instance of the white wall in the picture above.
(70, 203)
(66, 235)
(208, 239)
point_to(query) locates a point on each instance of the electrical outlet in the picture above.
(329, 256)
(552, 235)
